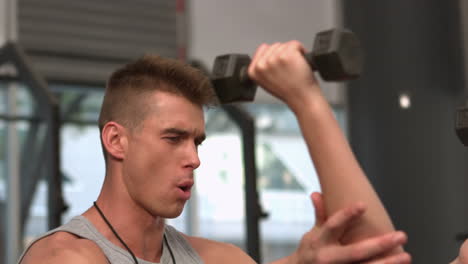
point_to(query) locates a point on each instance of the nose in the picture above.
(193, 161)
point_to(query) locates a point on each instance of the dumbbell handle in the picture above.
(310, 59)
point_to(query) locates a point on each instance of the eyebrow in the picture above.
(181, 132)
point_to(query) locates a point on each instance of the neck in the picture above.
(141, 231)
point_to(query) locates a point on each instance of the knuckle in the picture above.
(314, 240)
(276, 44)
(260, 68)
(251, 72)
(295, 43)
(323, 258)
(384, 243)
(263, 46)
(272, 60)
(358, 253)
(311, 238)
(332, 224)
(283, 58)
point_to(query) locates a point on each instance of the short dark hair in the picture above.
(128, 87)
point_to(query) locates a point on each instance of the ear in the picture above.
(114, 139)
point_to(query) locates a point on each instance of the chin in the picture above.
(172, 214)
(168, 212)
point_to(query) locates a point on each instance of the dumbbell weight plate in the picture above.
(230, 78)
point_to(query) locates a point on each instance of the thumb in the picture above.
(320, 213)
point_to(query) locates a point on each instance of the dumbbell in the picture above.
(336, 55)
(461, 124)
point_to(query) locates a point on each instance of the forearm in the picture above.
(342, 180)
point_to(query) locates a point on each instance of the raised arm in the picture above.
(282, 70)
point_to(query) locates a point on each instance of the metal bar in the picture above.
(8, 21)
(33, 80)
(2, 231)
(252, 206)
(7, 78)
(30, 167)
(56, 204)
(9, 32)
(13, 230)
(12, 118)
(79, 122)
(74, 106)
(49, 109)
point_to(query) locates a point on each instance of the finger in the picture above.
(296, 50)
(373, 247)
(265, 67)
(277, 53)
(272, 50)
(320, 214)
(259, 53)
(401, 258)
(268, 56)
(295, 46)
(339, 222)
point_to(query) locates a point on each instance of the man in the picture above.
(151, 124)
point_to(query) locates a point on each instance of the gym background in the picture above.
(399, 115)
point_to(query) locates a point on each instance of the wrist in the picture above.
(313, 103)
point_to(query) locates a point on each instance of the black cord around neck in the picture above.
(123, 243)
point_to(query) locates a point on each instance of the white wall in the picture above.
(218, 27)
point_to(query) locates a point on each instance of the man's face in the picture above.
(162, 154)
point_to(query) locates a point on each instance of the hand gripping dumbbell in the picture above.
(336, 55)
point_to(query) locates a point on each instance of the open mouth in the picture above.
(185, 188)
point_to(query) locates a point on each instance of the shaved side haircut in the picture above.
(128, 87)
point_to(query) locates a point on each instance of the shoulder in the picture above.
(217, 252)
(63, 247)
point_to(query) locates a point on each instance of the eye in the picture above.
(173, 139)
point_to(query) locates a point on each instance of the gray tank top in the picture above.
(80, 226)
